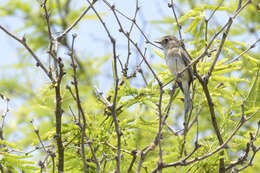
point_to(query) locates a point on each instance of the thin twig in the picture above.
(195, 119)
(253, 148)
(242, 53)
(116, 78)
(129, 33)
(171, 5)
(134, 154)
(150, 147)
(43, 147)
(81, 114)
(36, 58)
(80, 110)
(131, 20)
(115, 148)
(207, 20)
(219, 48)
(102, 98)
(4, 114)
(135, 44)
(242, 121)
(47, 18)
(76, 21)
(205, 52)
(160, 127)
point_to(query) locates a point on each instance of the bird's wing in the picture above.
(186, 61)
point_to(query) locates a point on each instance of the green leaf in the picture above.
(231, 45)
(158, 53)
(249, 112)
(199, 33)
(251, 59)
(145, 122)
(190, 14)
(9, 144)
(165, 20)
(253, 97)
(101, 60)
(227, 79)
(194, 24)
(213, 7)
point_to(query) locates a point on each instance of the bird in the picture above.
(177, 59)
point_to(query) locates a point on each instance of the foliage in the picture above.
(138, 109)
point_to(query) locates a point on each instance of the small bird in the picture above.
(177, 59)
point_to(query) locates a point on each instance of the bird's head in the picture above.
(168, 42)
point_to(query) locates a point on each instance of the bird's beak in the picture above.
(158, 41)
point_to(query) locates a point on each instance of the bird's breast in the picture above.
(176, 64)
(172, 63)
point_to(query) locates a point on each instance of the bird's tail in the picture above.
(187, 108)
(187, 100)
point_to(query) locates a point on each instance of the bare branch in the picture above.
(207, 20)
(171, 5)
(150, 147)
(219, 148)
(104, 100)
(132, 20)
(244, 52)
(250, 145)
(36, 58)
(135, 44)
(47, 152)
(113, 108)
(81, 114)
(75, 22)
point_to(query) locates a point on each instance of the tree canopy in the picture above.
(111, 104)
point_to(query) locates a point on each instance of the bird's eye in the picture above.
(166, 40)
